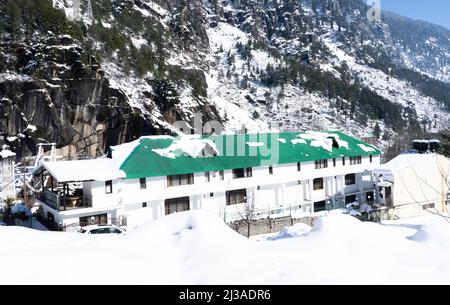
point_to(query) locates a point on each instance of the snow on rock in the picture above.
(282, 140)
(393, 89)
(5, 153)
(138, 42)
(144, 12)
(30, 127)
(11, 76)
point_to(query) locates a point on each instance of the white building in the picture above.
(277, 174)
(7, 186)
(414, 184)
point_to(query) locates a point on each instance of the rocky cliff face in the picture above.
(105, 72)
(56, 98)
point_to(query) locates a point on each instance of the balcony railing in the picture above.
(64, 203)
(238, 212)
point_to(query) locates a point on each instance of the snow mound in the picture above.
(421, 235)
(323, 140)
(196, 247)
(299, 229)
(335, 225)
(189, 146)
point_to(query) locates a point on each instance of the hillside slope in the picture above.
(107, 71)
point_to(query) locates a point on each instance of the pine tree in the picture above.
(377, 131)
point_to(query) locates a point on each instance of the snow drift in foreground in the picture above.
(197, 248)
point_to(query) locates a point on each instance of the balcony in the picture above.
(61, 202)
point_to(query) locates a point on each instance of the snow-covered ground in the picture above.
(197, 248)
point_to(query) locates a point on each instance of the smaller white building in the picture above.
(414, 185)
(7, 186)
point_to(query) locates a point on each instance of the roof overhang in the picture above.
(102, 169)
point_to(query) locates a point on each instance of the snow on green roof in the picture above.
(162, 156)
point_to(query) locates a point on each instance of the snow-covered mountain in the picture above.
(88, 74)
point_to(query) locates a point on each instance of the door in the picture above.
(388, 195)
(176, 205)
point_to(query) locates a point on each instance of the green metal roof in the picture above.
(144, 162)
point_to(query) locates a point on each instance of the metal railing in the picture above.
(62, 203)
(234, 213)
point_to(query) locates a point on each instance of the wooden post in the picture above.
(25, 192)
(64, 195)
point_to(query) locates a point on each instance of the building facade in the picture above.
(7, 185)
(265, 175)
(414, 185)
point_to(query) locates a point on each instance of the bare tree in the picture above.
(247, 216)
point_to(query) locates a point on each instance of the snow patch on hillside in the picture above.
(391, 88)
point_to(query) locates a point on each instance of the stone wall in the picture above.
(269, 225)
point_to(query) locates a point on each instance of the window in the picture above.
(320, 206)
(249, 172)
(370, 158)
(321, 163)
(50, 217)
(429, 206)
(207, 176)
(236, 197)
(350, 179)
(222, 175)
(318, 184)
(343, 160)
(355, 160)
(334, 162)
(143, 183)
(299, 166)
(351, 199)
(176, 180)
(108, 187)
(238, 173)
(242, 173)
(176, 205)
(114, 231)
(270, 170)
(144, 204)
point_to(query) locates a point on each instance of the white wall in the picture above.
(421, 184)
(281, 188)
(6, 178)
